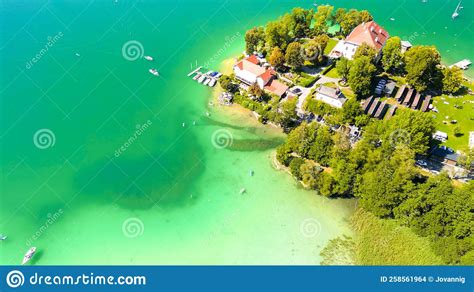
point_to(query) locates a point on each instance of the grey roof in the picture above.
(334, 93)
(389, 87)
(445, 153)
(329, 91)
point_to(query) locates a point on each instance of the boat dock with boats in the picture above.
(209, 78)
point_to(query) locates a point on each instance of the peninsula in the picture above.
(369, 116)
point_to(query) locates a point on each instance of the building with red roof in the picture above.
(369, 33)
(249, 71)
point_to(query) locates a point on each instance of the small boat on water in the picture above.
(198, 74)
(207, 81)
(456, 12)
(78, 55)
(392, 19)
(154, 72)
(242, 191)
(29, 254)
(3, 237)
(149, 58)
(212, 82)
(202, 78)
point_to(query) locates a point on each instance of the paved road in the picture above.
(307, 90)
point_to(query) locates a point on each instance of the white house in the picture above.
(367, 32)
(250, 72)
(331, 96)
(248, 69)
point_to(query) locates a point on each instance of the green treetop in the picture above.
(452, 79)
(360, 75)
(277, 58)
(294, 56)
(392, 55)
(421, 64)
(321, 17)
(254, 39)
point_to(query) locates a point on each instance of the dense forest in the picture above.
(380, 171)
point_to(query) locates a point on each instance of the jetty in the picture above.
(209, 78)
(194, 71)
(464, 64)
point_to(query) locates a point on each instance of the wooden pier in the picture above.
(195, 70)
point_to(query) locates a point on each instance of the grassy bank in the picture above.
(459, 108)
(379, 242)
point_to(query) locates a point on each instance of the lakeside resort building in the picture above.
(331, 96)
(367, 32)
(249, 71)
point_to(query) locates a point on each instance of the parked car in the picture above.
(297, 91)
(421, 163)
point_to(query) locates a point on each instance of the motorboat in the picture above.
(196, 77)
(202, 78)
(154, 72)
(29, 254)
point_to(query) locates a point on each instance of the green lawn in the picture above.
(332, 73)
(464, 116)
(330, 84)
(331, 44)
(347, 91)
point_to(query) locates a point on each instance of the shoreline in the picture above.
(236, 111)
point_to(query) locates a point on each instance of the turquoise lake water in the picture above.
(96, 165)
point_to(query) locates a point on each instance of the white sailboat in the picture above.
(456, 12)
